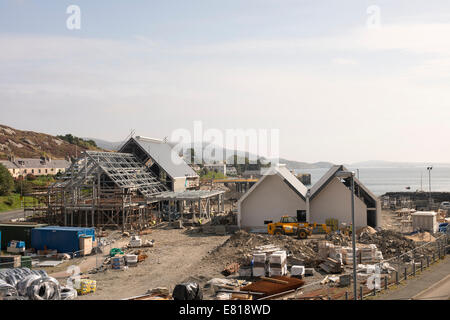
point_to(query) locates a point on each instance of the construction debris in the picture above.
(270, 288)
(331, 266)
(241, 246)
(231, 269)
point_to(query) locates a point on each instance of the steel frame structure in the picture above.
(116, 190)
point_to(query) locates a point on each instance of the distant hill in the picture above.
(29, 144)
(107, 145)
(392, 164)
(305, 165)
(289, 163)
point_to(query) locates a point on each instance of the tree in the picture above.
(6, 181)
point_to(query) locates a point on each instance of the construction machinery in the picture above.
(291, 226)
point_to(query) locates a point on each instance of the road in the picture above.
(433, 283)
(14, 214)
(438, 291)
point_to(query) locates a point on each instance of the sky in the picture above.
(342, 81)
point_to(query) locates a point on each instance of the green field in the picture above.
(213, 175)
(11, 202)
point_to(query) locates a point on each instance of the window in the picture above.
(301, 215)
(288, 220)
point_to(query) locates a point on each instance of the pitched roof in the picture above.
(288, 178)
(124, 169)
(292, 181)
(162, 153)
(329, 176)
(326, 178)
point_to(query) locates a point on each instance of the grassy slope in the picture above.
(213, 175)
(15, 197)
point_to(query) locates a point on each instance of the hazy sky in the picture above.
(336, 89)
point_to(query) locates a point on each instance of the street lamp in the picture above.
(429, 182)
(351, 175)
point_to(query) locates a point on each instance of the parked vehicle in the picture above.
(445, 205)
(290, 226)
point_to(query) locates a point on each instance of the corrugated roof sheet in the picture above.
(163, 154)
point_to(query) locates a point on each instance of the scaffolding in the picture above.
(102, 189)
(116, 190)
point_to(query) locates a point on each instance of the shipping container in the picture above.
(62, 239)
(425, 220)
(20, 231)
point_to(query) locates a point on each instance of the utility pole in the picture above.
(351, 175)
(429, 182)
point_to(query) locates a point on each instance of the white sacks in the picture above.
(278, 263)
(135, 241)
(259, 264)
(298, 271)
(131, 260)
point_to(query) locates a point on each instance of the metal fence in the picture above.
(405, 267)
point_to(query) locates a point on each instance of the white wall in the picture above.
(334, 201)
(270, 200)
(179, 184)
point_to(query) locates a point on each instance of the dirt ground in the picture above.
(180, 255)
(175, 257)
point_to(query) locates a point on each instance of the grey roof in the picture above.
(326, 178)
(162, 153)
(288, 178)
(35, 163)
(187, 195)
(329, 176)
(8, 164)
(292, 181)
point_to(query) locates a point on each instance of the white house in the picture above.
(37, 167)
(281, 193)
(276, 194)
(330, 197)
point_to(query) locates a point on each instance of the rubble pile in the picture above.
(239, 248)
(339, 239)
(390, 243)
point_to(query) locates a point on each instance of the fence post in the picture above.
(434, 258)
(396, 276)
(385, 283)
(361, 292)
(421, 265)
(346, 295)
(428, 261)
(406, 273)
(414, 268)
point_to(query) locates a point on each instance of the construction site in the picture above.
(134, 225)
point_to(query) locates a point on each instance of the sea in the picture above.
(382, 180)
